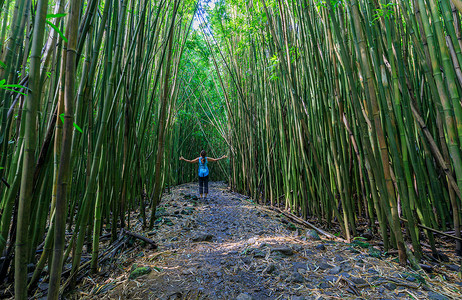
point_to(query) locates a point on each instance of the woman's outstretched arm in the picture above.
(189, 161)
(216, 159)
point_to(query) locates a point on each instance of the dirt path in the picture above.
(225, 247)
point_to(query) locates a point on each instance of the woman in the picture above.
(203, 171)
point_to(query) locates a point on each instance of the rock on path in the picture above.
(225, 247)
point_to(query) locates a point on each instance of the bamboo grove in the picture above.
(347, 111)
(88, 91)
(343, 110)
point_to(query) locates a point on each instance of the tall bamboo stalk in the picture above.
(32, 105)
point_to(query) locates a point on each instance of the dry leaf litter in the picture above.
(226, 247)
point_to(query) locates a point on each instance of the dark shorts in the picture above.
(204, 185)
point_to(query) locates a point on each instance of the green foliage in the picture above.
(360, 244)
(53, 16)
(324, 3)
(201, 118)
(61, 116)
(386, 11)
(374, 252)
(273, 67)
(139, 272)
(11, 87)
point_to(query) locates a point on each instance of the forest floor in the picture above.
(226, 247)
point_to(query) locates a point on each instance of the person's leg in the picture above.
(206, 185)
(201, 186)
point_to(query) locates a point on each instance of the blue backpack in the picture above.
(203, 169)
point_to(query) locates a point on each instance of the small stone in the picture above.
(297, 248)
(324, 266)
(203, 237)
(408, 277)
(284, 250)
(390, 286)
(324, 285)
(259, 254)
(139, 272)
(426, 268)
(244, 296)
(436, 296)
(270, 269)
(331, 278)
(320, 247)
(299, 265)
(358, 280)
(372, 271)
(291, 226)
(335, 270)
(297, 277)
(339, 258)
(345, 274)
(246, 260)
(443, 257)
(346, 268)
(313, 235)
(252, 240)
(454, 268)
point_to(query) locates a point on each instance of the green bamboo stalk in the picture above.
(63, 179)
(33, 100)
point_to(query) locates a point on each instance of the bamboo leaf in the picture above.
(15, 86)
(11, 90)
(57, 30)
(78, 128)
(52, 16)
